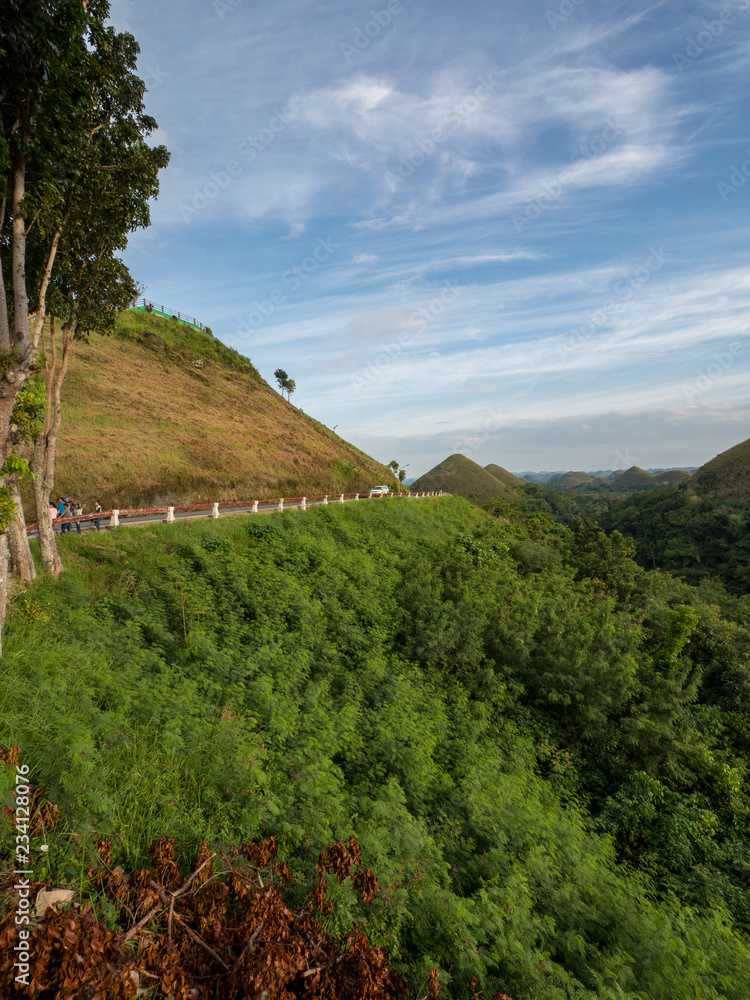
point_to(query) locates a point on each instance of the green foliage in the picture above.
(14, 465)
(30, 408)
(7, 506)
(541, 748)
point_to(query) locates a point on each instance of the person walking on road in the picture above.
(97, 520)
(68, 513)
(77, 511)
(61, 512)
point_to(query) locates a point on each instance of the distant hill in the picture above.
(163, 413)
(457, 474)
(503, 475)
(570, 480)
(732, 471)
(634, 478)
(671, 477)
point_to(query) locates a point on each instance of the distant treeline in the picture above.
(693, 534)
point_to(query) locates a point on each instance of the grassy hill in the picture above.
(458, 475)
(164, 413)
(570, 480)
(503, 475)
(635, 478)
(671, 477)
(732, 470)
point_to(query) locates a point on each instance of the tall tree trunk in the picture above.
(45, 447)
(20, 551)
(42, 488)
(4, 319)
(3, 583)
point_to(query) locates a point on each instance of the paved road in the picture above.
(264, 507)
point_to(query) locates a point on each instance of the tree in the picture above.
(70, 106)
(91, 283)
(27, 420)
(286, 384)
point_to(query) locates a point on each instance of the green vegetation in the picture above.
(690, 530)
(541, 747)
(178, 341)
(461, 477)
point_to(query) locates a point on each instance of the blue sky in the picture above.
(514, 230)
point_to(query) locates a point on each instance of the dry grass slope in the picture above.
(457, 474)
(503, 475)
(161, 413)
(732, 468)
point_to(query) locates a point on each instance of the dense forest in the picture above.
(540, 746)
(686, 529)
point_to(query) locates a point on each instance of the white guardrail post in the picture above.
(215, 511)
(356, 496)
(170, 515)
(341, 498)
(325, 498)
(281, 503)
(114, 520)
(304, 504)
(255, 506)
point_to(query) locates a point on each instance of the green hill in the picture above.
(458, 475)
(570, 480)
(671, 477)
(728, 475)
(635, 478)
(163, 413)
(503, 475)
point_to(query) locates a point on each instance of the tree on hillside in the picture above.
(285, 383)
(71, 107)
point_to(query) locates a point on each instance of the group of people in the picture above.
(72, 508)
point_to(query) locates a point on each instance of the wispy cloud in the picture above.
(533, 167)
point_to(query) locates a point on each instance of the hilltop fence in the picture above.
(145, 305)
(143, 514)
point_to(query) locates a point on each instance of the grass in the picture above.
(143, 425)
